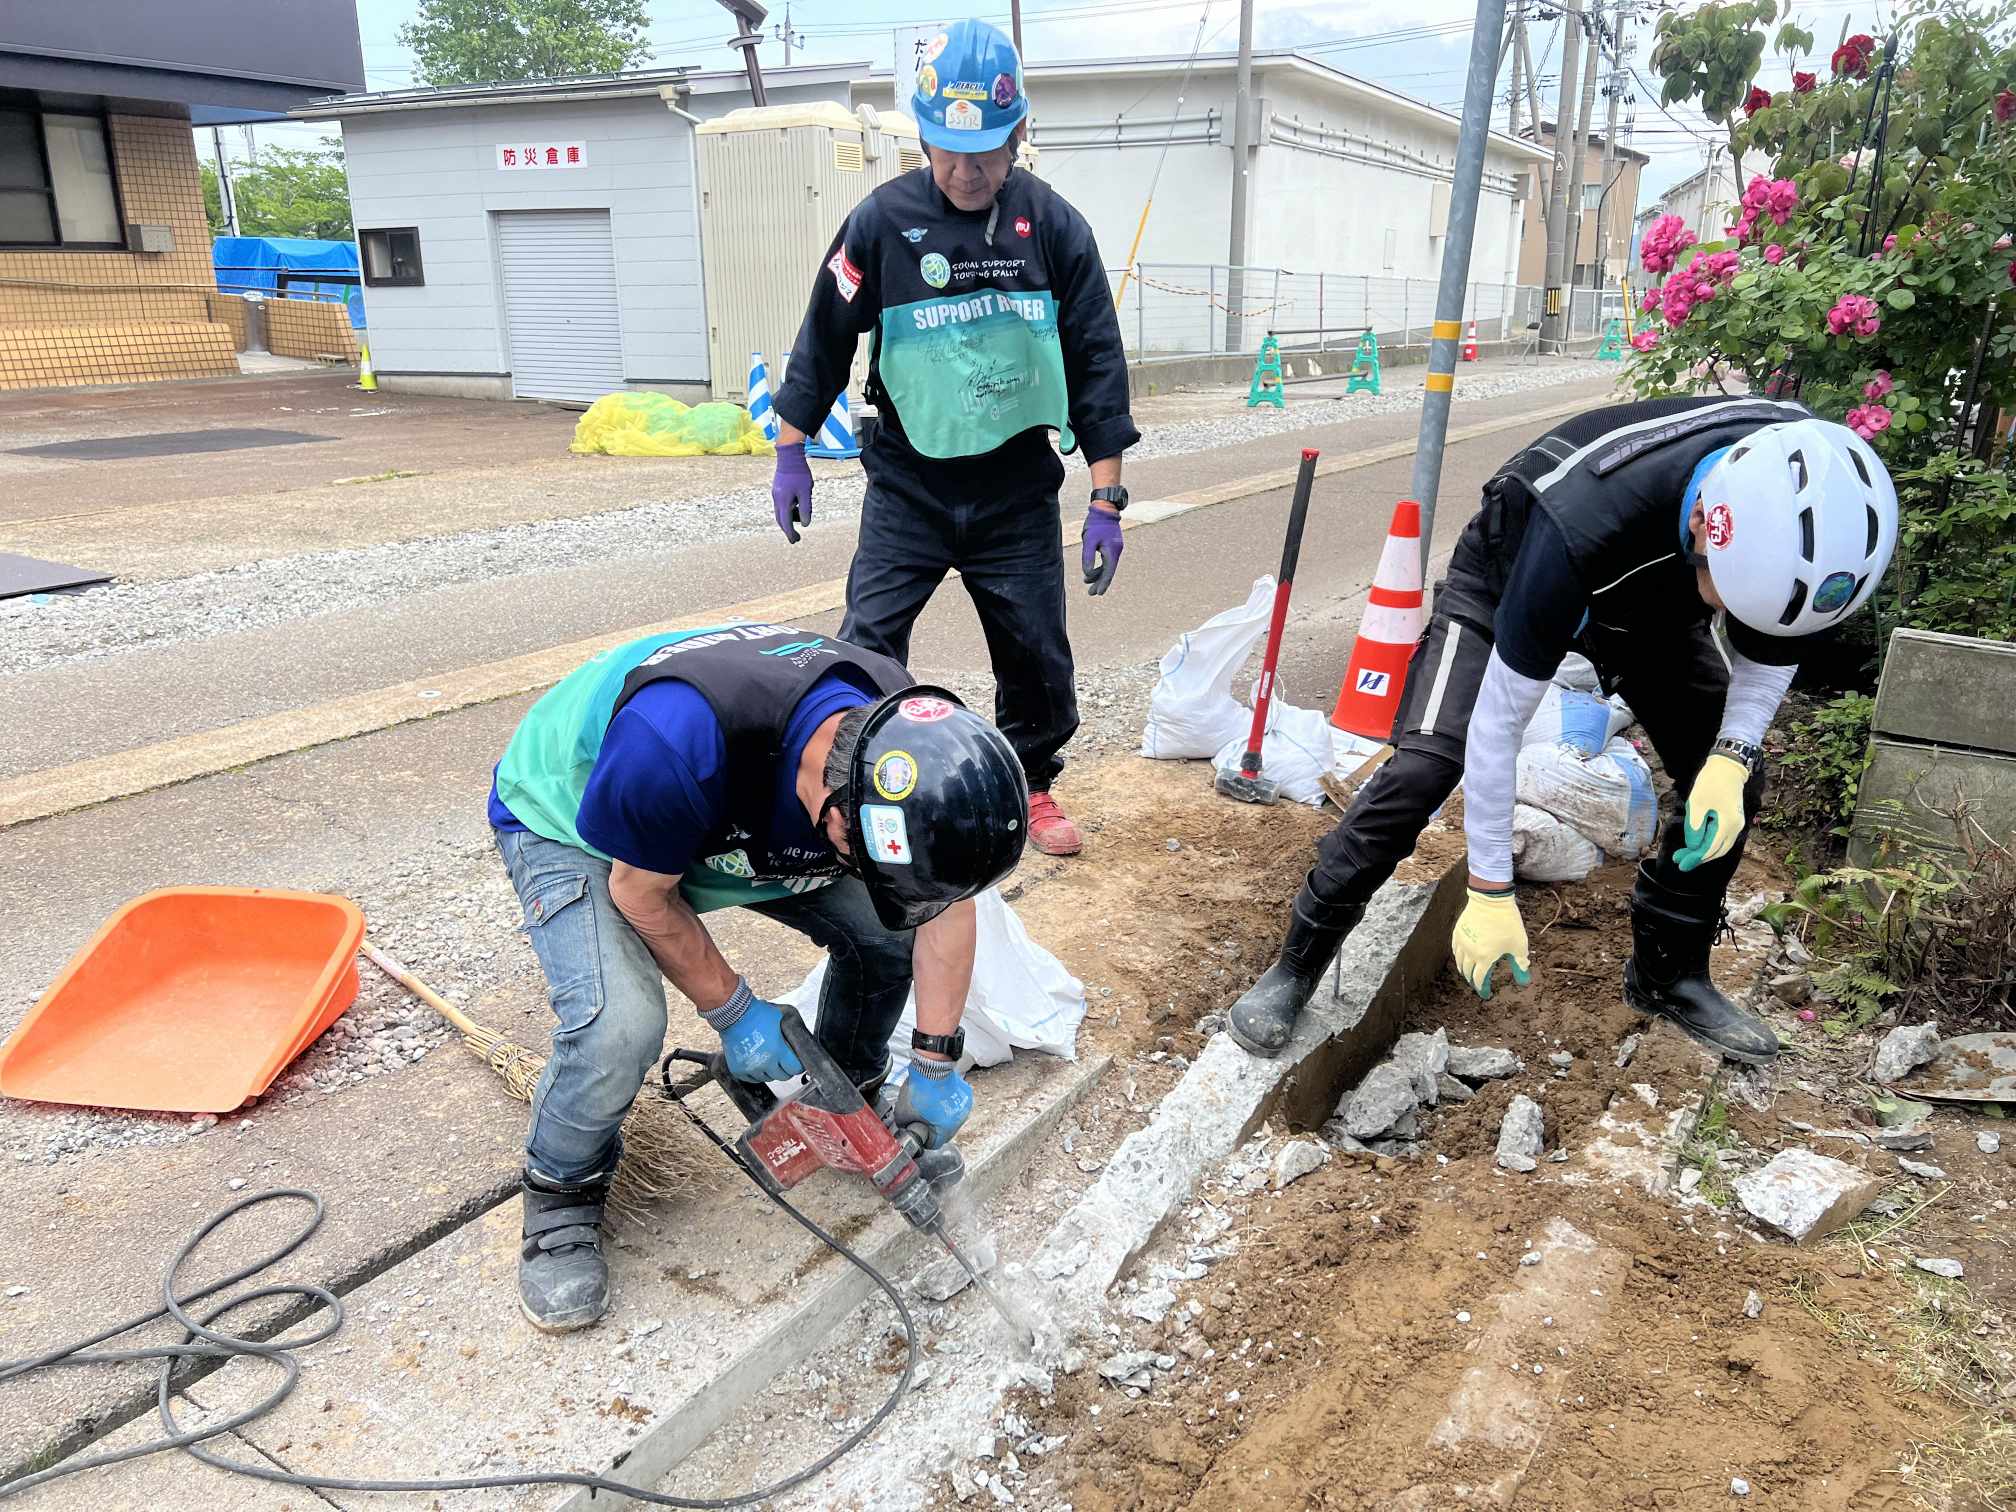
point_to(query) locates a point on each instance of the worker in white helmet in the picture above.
(1626, 533)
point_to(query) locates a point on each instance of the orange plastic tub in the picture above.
(188, 1000)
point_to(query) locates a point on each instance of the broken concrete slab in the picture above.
(1921, 1170)
(1951, 1270)
(1424, 1057)
(1452, 1089)
(1522, 1137)
(1903, 1050)
(1478, 1063)
(1805, 1195)
(1226, 1093)
(1297, 1159)
(1386, 1095)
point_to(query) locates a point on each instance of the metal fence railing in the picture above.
(1182, 309)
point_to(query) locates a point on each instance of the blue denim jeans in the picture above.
(608, 997)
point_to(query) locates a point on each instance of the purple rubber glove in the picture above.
(791, 489)
(1102, 541)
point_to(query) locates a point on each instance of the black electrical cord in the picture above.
(216, 1344)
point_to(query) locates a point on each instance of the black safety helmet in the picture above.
(936, 805)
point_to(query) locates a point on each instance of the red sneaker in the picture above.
(1050, 830)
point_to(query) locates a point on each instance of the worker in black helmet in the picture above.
(756, 766)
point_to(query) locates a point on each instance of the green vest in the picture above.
(752, 675)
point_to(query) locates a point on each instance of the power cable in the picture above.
(217, 1344)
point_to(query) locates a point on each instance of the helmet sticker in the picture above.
(1721, 526)
(938, 44)
(962, 115)
(925, 708)
(1834, 591)
(966, 89)
(927, 81)
(888, 836)
(896, 775)
(1004, 90)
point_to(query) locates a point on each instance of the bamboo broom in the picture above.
(663, 1155)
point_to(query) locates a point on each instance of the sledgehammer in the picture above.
(1247, 784)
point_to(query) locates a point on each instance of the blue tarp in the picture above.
(256, 262)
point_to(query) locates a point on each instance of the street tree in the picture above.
(502, 41)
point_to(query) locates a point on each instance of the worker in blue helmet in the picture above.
(991, 325)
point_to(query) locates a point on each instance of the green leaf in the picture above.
(1900, 299)
(1914, 421)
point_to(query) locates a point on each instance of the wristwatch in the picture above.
(947, 1045)
(1113, 494)
(1739, 750)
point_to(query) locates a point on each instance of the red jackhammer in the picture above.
(830, 1126)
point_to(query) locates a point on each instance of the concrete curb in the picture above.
(1226, 1094)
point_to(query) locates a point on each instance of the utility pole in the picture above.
(1242, 148)
(227, 198)
(1553, 320)
(1578, 157)
(1467, 182)
(1613, 91)
(1015, 29)
(786, 35)
(1514, 37)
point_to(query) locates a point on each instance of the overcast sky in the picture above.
(1363, 37)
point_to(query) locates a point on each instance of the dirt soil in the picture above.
(1176, 904)
(1376, 1344)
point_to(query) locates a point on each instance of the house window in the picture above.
(56, 182)
(391, 257)
(1592, 196)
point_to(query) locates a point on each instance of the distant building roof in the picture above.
(611, 86)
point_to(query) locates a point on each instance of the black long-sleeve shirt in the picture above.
(989, 326)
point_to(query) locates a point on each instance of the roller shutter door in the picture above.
(560, 303)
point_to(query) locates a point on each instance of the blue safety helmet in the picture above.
(969, 89)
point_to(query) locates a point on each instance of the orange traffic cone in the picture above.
(1370, 698)
(1470, 344)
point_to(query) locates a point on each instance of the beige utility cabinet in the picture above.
(775, 183)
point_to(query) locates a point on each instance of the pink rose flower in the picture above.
(1664, 241)
(2005, 105)
(1774, 254)
(1854, 314)
(1889, 244)
(1868, 420)
(1645, 340)
(1650, 301)
(1878, 386)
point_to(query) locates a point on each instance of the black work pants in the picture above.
(1673, 682)
(1001, 534)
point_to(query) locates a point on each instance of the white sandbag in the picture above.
(1578, 672)
(1022, 998)
(1546, 850)
(1295, 752)
(1607, 798)
(1567, 716)
(1192, 712)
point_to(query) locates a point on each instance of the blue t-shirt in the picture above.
(659, 789)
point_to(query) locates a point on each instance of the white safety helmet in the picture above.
(1800, 519)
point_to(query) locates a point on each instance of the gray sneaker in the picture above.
(563, 1281)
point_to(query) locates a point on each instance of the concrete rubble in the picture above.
(1382, 1099)
(1952, 1270)
(1522, 1137)
(1297, 1159)
(1479, 1063)
(1988, 1142)
(1903, 1050)
(1920, 1169)
(1805, 1195)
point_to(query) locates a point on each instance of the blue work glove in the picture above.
(936, 1095)
(791, 489)
(752, 1037)
(1102, 541)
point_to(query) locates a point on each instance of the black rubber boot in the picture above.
(563, 1281)
(1667, 975)
(1261, 1021)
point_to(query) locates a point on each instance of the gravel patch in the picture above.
(120, 618)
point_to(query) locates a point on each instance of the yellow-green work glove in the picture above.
(1488, 931)
(1714, 811)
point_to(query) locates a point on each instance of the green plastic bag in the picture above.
(655, 425)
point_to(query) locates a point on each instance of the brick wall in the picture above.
(309, 328)
(117, 317)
